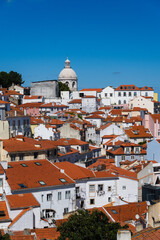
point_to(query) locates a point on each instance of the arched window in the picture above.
(67, 83)
(119, 102)
(73, 84)
(124, 101)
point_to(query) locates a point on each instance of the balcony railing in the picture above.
(100, 193)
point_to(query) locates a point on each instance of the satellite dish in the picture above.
(137, 216)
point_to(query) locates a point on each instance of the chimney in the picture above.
(25, 112)
(123, 234)
(62, 170)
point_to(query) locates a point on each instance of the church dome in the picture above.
(67, 73)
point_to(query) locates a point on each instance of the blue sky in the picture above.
(109, 42)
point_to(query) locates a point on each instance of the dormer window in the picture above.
(42, 183)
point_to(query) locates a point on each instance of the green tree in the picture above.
(5, 236)
(85, 225)
(6, 79)
(63, 87)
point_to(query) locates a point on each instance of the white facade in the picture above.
(142, 102)
(108, 94)
(46, 133)
(89, 104)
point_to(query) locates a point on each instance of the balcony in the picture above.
(100, 193)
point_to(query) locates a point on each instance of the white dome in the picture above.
(67, 73)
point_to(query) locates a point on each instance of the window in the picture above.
(132, 157)
(91, 188)
(65, 210)
(92, 201)
(135, 94)
(124, 94)
(42, 183)
(125, 87)
(114, 211)
(109, 199)
(119, 94)
(124, 187)
(1, 182)
(127, 150)
(109, 188)
(42, 197)
(59, 195)
(62, 180)
(22, 185)
(146, 94)
(48, 213)
(49, 197)
(67, 194)
(122, 157)
(21, 157)
(124, 102)
(38, 164)
(119, 102)
(24, 165)
(111, 94)
(100, 187)
(13, 157)
(9, 166)
(35, 155)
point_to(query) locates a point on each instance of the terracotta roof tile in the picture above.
(127, 212)
(31, 175)
(4, 211)
(21, 201)
(91, 89)
(127, 88)
(75, 101)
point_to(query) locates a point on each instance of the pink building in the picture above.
(152, 121)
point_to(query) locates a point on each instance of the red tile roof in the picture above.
(46, 233)
(127, 88)
(21, 201)
(138, 132)
(3, 208)
(95, 116)
(147, 234)
(33, 97)
(30, 176)
(92, 89)
(74, 171)
(156, 117)
(127, 212)
(75, 101)
(14, 145)
(145, 88)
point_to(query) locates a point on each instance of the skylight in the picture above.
(42, 183)
(62, 180)
(114, 211)
(22, 185)
(9, 166)
(24, 165)
(38, 164)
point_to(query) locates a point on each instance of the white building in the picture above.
(46, 132)
(142, 102)
(89, 104)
